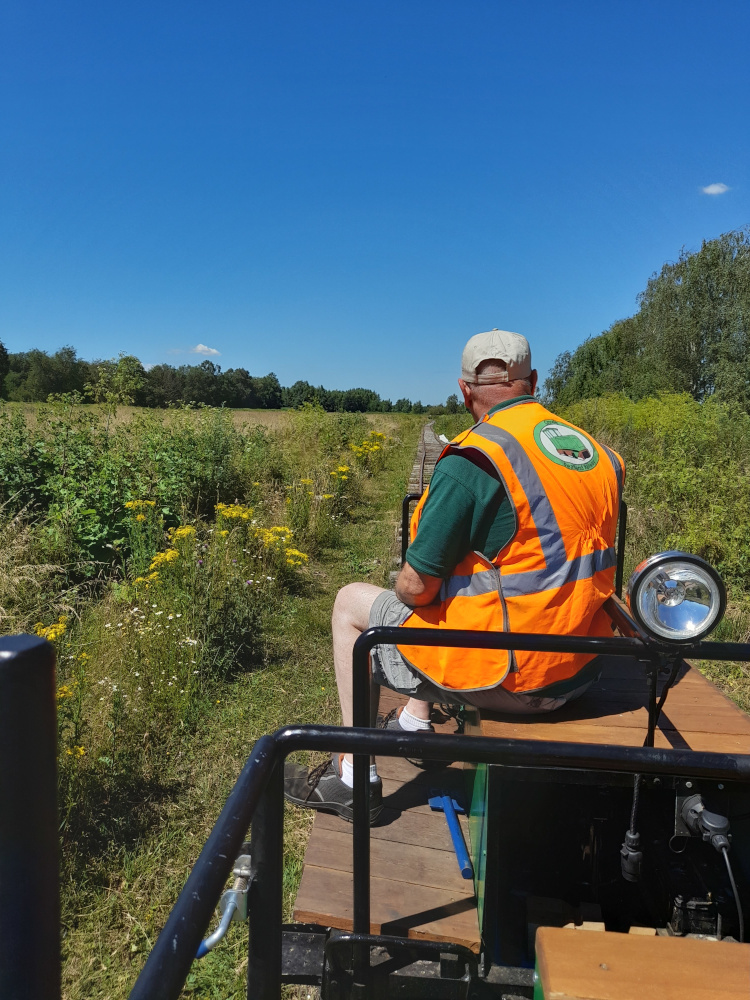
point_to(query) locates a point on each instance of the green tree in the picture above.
(4, 368)
(116, 384)
(691, 334)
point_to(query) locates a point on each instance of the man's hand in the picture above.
(416, 589)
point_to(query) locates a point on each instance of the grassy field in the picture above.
(185, 569)
(185, 564)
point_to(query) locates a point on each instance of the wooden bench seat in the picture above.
(696, 715)
(582, 965)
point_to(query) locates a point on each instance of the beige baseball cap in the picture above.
(496, 345)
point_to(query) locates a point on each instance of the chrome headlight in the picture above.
(676, 596)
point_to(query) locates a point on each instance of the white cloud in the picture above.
(210, 352)
(715, 189)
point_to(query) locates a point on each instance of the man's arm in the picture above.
(416, 589)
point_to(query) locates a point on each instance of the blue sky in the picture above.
(345, 191)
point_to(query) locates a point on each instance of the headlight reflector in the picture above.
(676, 596)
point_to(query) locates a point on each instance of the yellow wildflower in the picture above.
(140, 517)
(139, 504)
(162, 558)
(52, 632)
(177, 534)
(234, 510)
(77, 752)
(63, 692)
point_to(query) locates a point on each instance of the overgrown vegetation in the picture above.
(691, 334)
(185, 571)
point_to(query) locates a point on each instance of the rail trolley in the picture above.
(607, 845)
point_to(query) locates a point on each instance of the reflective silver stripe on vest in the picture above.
(580, 568)
(542, 514)
(558, 570)
(471, 585)
(531, 582)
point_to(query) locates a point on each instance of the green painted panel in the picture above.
(538, 990)
(478, 834)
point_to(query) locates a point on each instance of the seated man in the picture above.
(515, 533)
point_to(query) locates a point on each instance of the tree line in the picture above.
(691, 334)
(36, 376)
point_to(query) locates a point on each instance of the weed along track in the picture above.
(184, 568)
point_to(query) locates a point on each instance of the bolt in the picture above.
(721, 788)
(688, 784)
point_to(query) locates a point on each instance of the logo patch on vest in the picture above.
(565, 445)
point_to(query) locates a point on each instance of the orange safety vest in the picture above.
(555, 573)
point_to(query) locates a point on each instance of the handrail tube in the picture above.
(621, 617)
(622, 524)
(167, 966)
(405, 520)
(29, 874)
(265, 889)
(169, 962)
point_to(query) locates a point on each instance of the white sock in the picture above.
(411, 723)
(347, 772)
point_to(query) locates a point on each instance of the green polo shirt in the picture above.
(467, 510)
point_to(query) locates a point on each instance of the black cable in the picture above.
(634, 808)
(725, 852)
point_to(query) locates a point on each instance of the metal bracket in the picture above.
(445, 971)
(232, 905)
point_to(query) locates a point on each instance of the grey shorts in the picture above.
(390, 669)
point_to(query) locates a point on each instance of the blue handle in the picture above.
(459, 844)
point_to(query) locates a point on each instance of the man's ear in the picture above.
(533, 380)
(465, 392)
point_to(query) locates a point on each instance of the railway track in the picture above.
(428, 452)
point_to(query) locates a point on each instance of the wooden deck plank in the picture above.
(412, 827)
(402, 908)
(407, 863)
(613, 712)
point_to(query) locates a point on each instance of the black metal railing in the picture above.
(29, 879)
(408, 500)
(622, 525)
(258, 796)
(29, 950)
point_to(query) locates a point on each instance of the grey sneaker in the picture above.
(321, 787)
(391, 721)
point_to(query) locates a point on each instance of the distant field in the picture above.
(273, 419)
